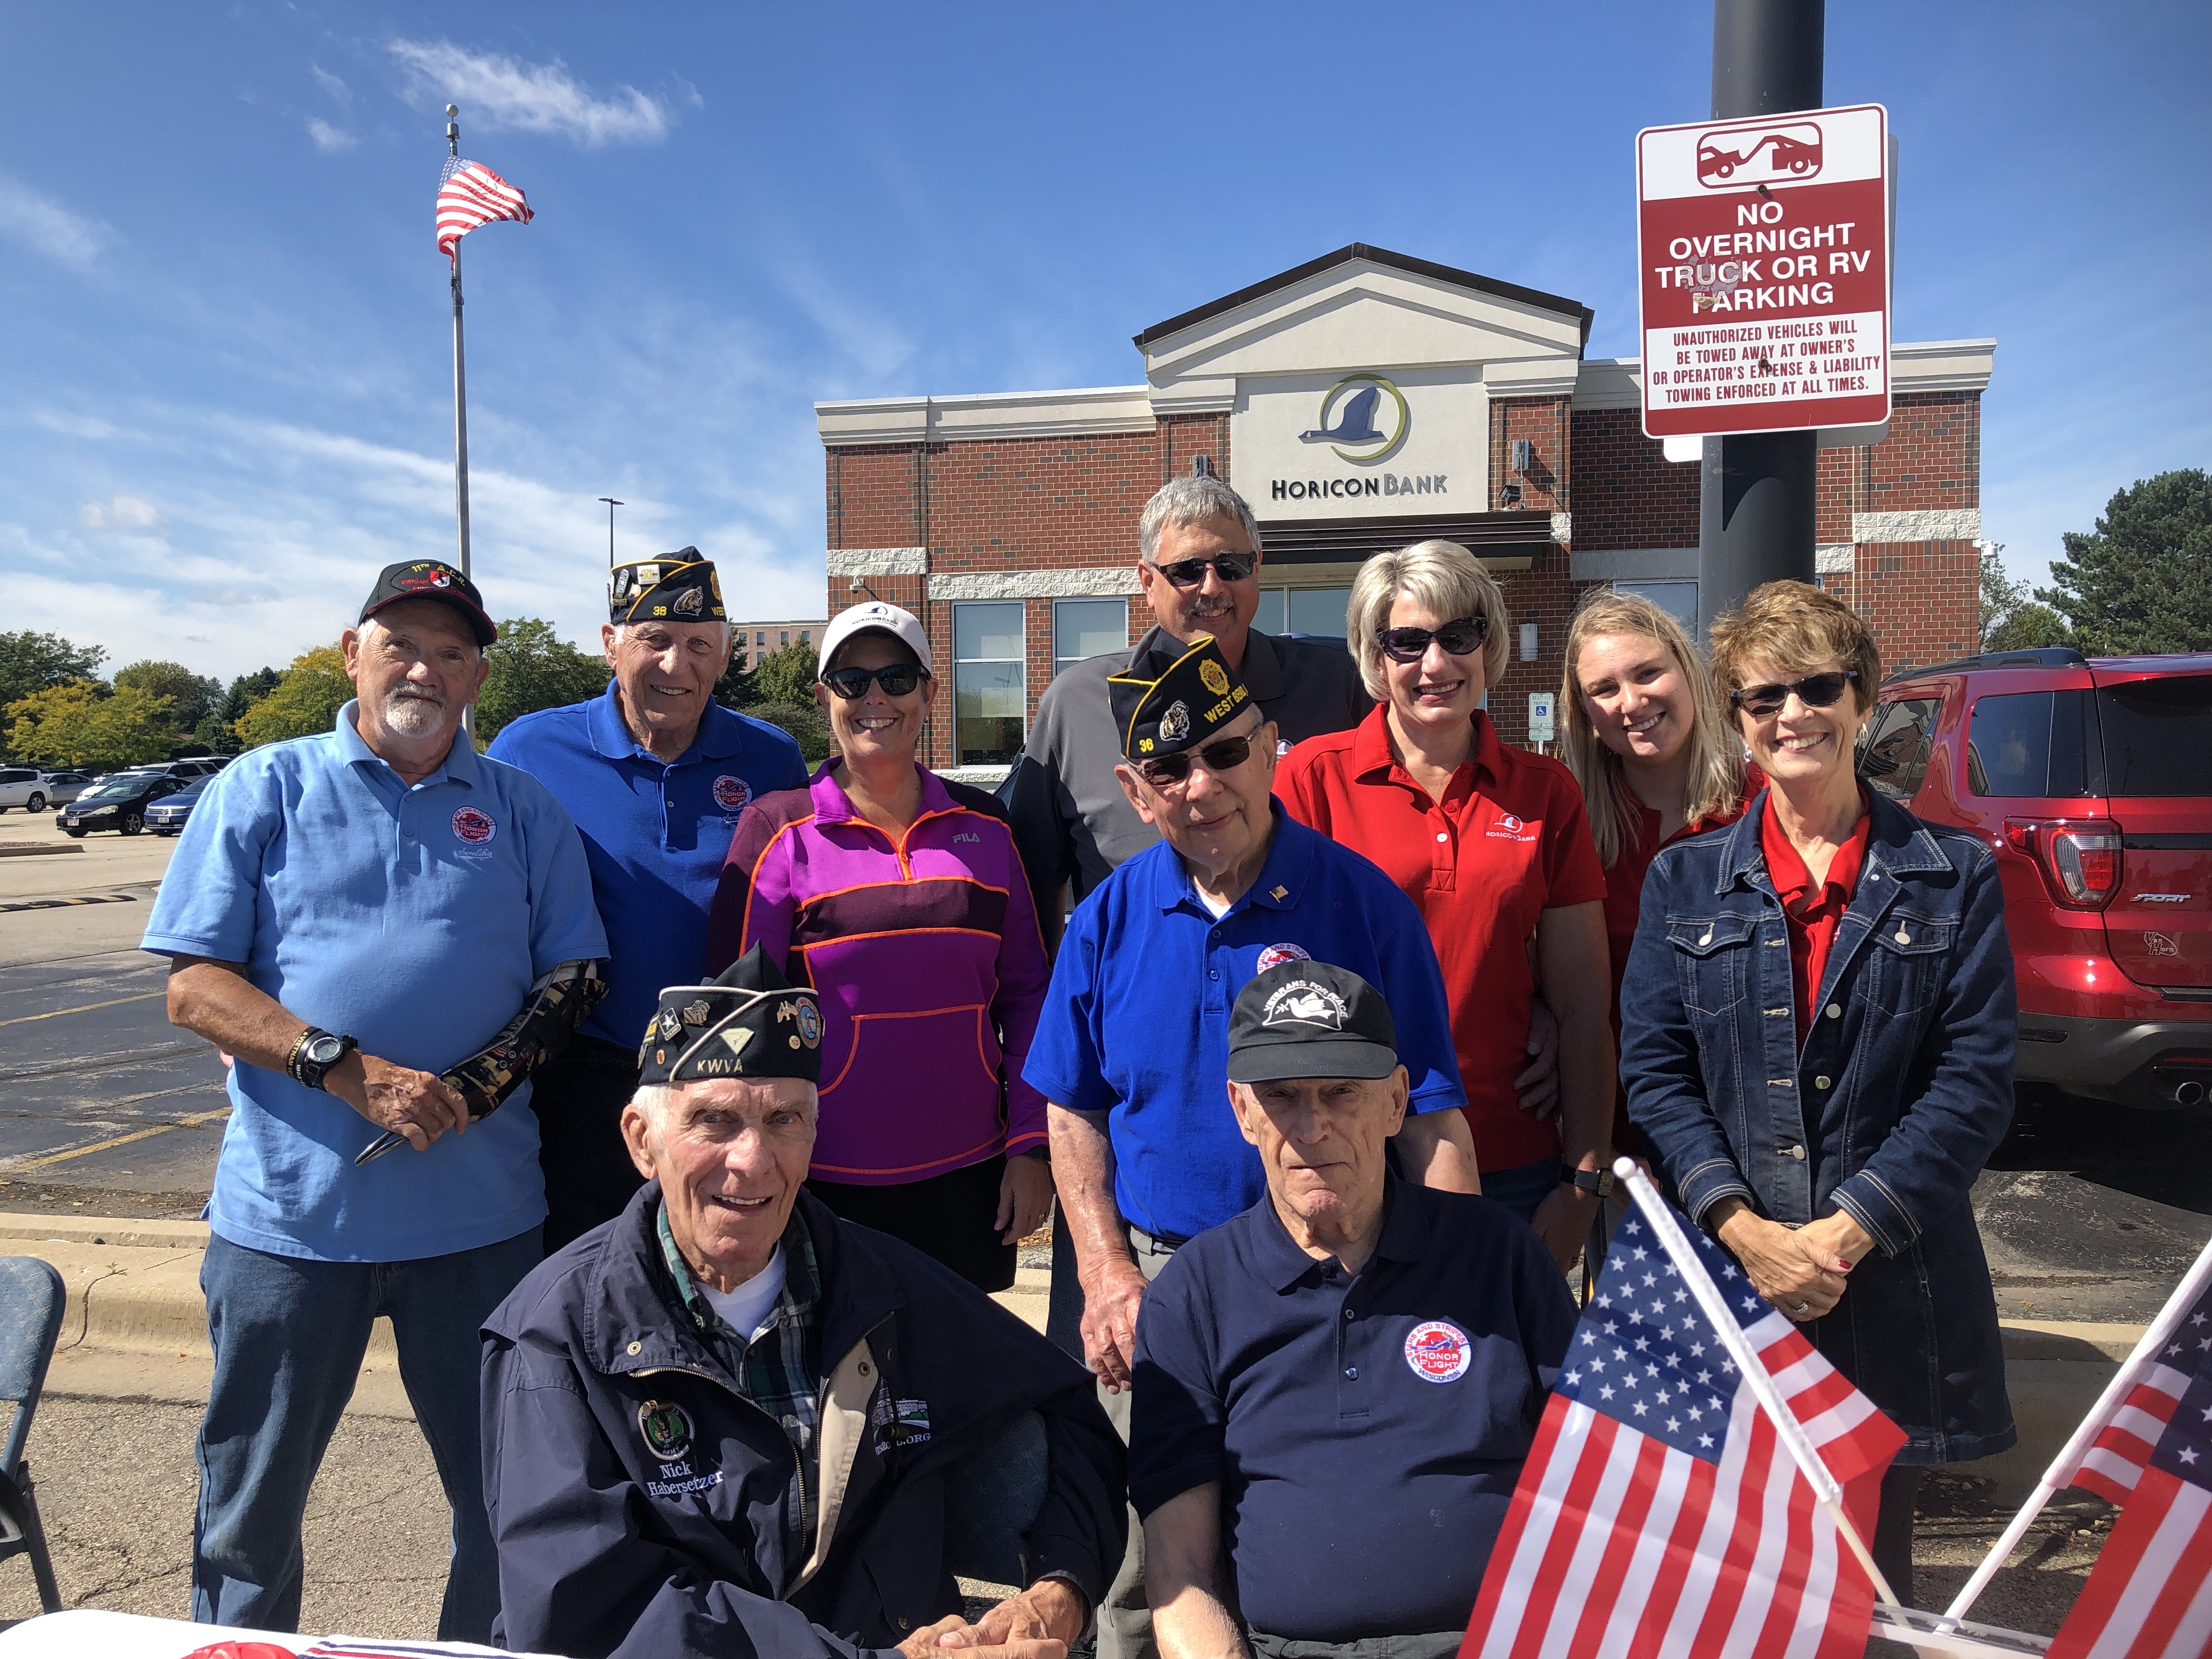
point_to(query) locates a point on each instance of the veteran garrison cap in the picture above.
(434, 579)
(678, 586)
(1310, 1019)
(1164, 704)
(751, 1022)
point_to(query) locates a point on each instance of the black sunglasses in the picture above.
(1169, 770)
(1230, 566)
(1814, 691)
(898, 679)
(1411, 644)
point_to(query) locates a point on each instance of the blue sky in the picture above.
(225, 392)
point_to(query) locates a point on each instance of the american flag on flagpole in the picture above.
(2111, 1466)
(1660, 1513)
(470, 194)
(2149, 1595)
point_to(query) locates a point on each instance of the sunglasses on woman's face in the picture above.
(852, 683)
(1814, 691)
(1189, 573)
(1168, 770)
(1411, 644)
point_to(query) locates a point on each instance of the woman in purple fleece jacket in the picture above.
(900, 898)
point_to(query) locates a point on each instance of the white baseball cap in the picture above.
(876, 617)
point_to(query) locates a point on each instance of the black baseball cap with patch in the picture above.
(1309, 1019)
(1164, 704)
(678, 586)
(748, 1021)
(437, 580)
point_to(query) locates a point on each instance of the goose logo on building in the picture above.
(1348, 424)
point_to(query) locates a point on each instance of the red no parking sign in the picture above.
(1763, 248)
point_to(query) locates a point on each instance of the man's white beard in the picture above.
(412, 714)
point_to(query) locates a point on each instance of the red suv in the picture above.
(2092, 781)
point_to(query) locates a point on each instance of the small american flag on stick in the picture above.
(470, 194)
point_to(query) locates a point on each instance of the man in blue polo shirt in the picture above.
(356, 919)
(1133, 1051)
(655, 772)
(1336, 1390)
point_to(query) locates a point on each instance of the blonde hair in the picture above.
(1716, 777)
(1442, 575)
(1795, 627)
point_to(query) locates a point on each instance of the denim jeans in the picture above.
(289, 1336)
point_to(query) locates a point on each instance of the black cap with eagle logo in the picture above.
(678, 586)
(1161, 706)
(750, 1022)
(1305, 1018)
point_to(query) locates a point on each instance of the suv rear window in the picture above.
(2157, 735)
(2036, 743)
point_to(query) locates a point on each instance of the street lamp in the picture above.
(612, 505)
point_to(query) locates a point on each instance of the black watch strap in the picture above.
(1591, 1180)
(308, 1070)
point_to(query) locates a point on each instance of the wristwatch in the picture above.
(314, 1052)
(1591, 1180)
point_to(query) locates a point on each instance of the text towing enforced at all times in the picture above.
(1363, 421)
(1765, 269)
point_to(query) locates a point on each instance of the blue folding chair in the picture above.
(31, 1303)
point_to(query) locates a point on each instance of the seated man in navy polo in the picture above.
(655, 772)
(1336, 1390)
(1133, 1048)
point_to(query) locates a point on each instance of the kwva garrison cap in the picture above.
(1310, 1019)
(1162, 705)
(678, 586)
(434, 579)
(751, 1022)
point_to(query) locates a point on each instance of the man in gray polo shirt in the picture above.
(1198, 564)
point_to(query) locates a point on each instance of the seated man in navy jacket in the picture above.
(728, 1422)
(1335, 1390)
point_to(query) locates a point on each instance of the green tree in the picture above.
(533, 668)
(192, 696)
(2027, 628)
(33, 662)
(304, 701)
(82, 724)
(2142, 580)
(803, 721)
(218, 729)
(785, 676)
(735, 689)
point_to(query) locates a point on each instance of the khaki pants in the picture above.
(1125, 1623)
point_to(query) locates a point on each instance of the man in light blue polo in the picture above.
(387, 933)
(656, 772)
(1132, 1048)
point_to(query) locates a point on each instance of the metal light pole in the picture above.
(1755, 523)
(612, 505)
(460, 377)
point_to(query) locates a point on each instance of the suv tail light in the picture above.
(2079, 858)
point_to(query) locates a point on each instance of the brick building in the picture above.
(1363, 401)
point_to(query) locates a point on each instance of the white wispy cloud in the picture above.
(42, 224)
(495, 91)
(327, 137)
(126, 515)
(331, 83)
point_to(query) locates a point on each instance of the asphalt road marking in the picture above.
(105, 1063)
(112, 1002)
(196, 1121)
(62, 903)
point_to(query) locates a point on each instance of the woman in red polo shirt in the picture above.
(1492, 843)
(1644, 734)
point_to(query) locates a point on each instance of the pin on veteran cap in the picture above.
(1163, 709)
(1309, 1019)
(434, 579)
(751, 1022)
(678, 586)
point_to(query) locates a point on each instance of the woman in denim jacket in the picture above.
(1817, 1038)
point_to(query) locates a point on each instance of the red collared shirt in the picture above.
(1813, 914)
(1509, 841)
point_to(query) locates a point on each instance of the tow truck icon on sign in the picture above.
(1759, 155)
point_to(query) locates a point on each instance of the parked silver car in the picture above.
(62, 787)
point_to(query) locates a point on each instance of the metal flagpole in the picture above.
(2068, 1463)
(460, 375)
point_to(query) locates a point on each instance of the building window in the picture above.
(786, 640)
(1678, 599)
(988, 687)
(1087, 627)
(806, 636)
(760, 639)
(1315, 611)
